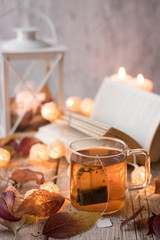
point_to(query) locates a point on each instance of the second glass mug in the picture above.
(98, 168)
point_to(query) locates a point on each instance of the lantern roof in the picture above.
(26, 42)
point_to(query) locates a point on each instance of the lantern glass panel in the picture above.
(28, 90)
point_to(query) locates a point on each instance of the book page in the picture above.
(128, 109)
(84, 124)
(52, 132)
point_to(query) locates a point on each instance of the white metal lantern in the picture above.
(45, 56)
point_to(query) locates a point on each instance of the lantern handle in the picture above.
(39, 14)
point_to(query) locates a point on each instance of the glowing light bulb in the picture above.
(140, 78)
(73, 104)
(50, 111)
(138, 175)
(87, 106)
(39, 153)
(57, 150)
(50, 186)
(4, 157)
(122, 73)
(29, 192)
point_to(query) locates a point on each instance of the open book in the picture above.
(120, 111)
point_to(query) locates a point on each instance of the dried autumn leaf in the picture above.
(41, 203)
(7, 139)
(29, 219)
(25, 145)
(25, 175)
(13, 143)
(13, 189)
(156, 225)
(9, 198)
(6, 206)
(126, 221)
(150, 224)
(9, 149)
(68, 224)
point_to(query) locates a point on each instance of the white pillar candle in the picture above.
(121, 76)
(141, 82)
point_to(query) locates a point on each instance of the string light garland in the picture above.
(73, 104)
(57, 150)
(4, 157)
(86, 106)
(50, 186)
(138, 175)
(50, 111)
(39, 153)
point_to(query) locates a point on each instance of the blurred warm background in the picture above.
(100, 36)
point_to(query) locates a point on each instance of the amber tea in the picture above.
(94, 185)
(98, 173)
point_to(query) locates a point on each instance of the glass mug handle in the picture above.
(147, 167)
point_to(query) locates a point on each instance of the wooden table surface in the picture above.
(136, 229)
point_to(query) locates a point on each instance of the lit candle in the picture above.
(4, 157)
(73, 104)
(141, 82)
(121, 76)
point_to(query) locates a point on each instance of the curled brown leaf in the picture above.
(8, 140)
(13, 143)
(41, 203)
(25, 145)
(25, 175)
(126, 221)
(150, 224)
(13, 189)
(68, 224)
(156, 225)
(9, 149)
(7, 200)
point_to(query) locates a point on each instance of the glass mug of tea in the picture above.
(98, 173)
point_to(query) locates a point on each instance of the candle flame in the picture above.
(121, 72)
(140, 78)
